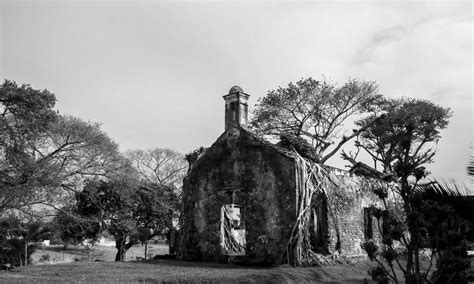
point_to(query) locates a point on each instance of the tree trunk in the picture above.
(413, 261)
(120, 254)
(122, 247)
(146, 249)
(26, 253)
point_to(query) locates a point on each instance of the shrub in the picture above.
(44, 258)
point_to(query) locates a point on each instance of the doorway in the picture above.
(232, 229)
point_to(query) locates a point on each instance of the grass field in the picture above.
(62, 266)
(57, 254)
(171, 271)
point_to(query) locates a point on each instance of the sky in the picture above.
(153, 73)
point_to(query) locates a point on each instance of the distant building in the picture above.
(246, 197)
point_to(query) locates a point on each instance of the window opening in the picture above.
(368, 230)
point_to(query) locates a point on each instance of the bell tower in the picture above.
(236, 108)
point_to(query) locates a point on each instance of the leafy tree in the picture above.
(130, 212)
(72, 150)
(403, 140)
(25, 113)
(18, 239)
(450, 233)
(311, 117)
(156, 207)
(157, 169)
(72, 228)
(315, 111)
(445, 217)
(401, 143)
(45, 156)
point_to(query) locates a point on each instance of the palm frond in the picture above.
(470, 167)
(450, 192)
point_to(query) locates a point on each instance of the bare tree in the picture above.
(163, 167)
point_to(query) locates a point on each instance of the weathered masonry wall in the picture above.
(346, 221)
(242, 170)
(245, 192)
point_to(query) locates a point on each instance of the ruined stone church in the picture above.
(247, 198)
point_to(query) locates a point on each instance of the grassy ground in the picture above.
(171, 271)
(57, 254)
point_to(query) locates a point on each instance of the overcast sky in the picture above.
(154, 73)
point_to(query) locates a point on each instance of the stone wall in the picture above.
(346, 204)
(239, 169)
(244, 170)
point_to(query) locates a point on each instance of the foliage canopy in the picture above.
(315, 111)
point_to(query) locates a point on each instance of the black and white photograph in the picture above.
(214, 141)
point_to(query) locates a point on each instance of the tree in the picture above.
(159, 166)
(160, 169)
(18, 239)
(25, 114)
(57, 162)
(445, 215)
(156, 207)
(309, 118)
(127, 210)
(446, 207)
(315, 111)
(401, 144)
(73, 228)
(403, 137)
(45, 156)
(71, 151)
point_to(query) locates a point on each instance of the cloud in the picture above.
(383, 37)
(440, 93)
(415, 32)
(427, 57)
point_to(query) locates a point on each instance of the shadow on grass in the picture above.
(255, 274)
(198, 264)
(175, 271)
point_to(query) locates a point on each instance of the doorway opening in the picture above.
(232, 229)
(319, 227)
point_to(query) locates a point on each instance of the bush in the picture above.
(378, 274)
(13, 252)
(306, 150)
(371, 249)
(44, 258)
(16, 235)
